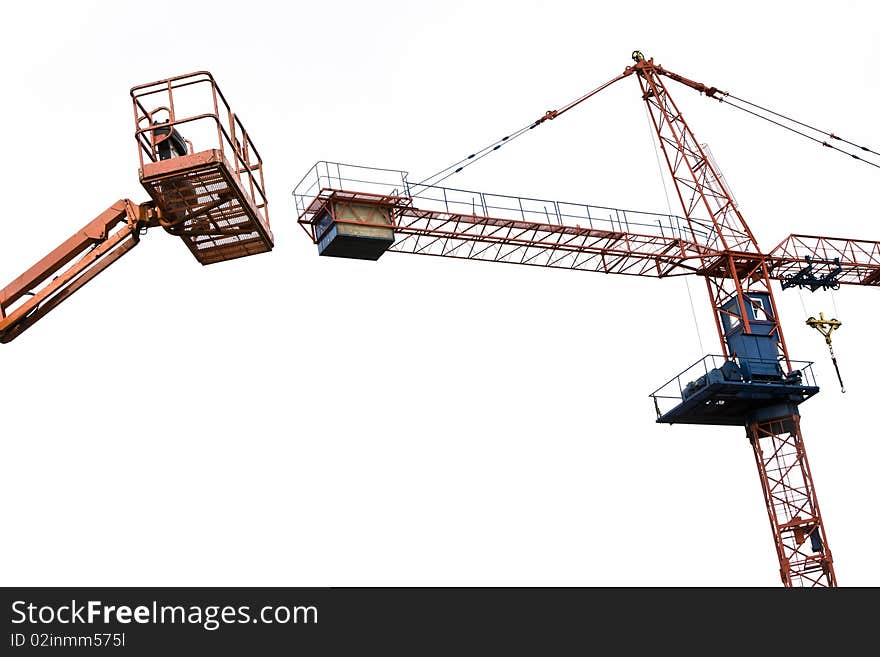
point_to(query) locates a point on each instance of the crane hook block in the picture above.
(826, 327)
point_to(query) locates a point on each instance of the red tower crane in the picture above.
(361, 212)
(213, 199)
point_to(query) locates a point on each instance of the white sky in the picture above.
(295, 420)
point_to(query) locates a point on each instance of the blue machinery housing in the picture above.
(727, 395)
(750, 386)
(340, 239)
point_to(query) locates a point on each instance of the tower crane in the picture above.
(362, 212)
(213, 199)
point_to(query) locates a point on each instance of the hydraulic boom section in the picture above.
(87, 253)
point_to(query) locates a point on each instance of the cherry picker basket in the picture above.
(201, 168)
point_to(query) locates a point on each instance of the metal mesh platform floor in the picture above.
(200, 195)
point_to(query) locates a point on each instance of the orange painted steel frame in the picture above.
(214, 200)
(87, 253)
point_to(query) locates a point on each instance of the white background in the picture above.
(295, 420)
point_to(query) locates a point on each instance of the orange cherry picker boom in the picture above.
(361, 212)
(213, 199)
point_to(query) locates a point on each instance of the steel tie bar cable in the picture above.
(478, 155)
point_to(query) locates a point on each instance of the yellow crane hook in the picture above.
(826, 327)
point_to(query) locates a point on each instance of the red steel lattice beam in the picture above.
(859, 260)
(743, 271)
(474, 237)
(790, 496)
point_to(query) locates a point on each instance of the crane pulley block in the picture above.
(808, 278)
(826, 327)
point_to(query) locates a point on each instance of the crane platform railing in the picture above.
(392, 182)
(718, 390)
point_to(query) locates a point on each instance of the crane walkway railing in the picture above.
(392, 182)
(673, 392)
(465, 224)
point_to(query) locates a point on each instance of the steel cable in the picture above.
(463, 163)
(821, 142)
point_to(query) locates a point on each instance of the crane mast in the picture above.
(362, 212)
(746, 317)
